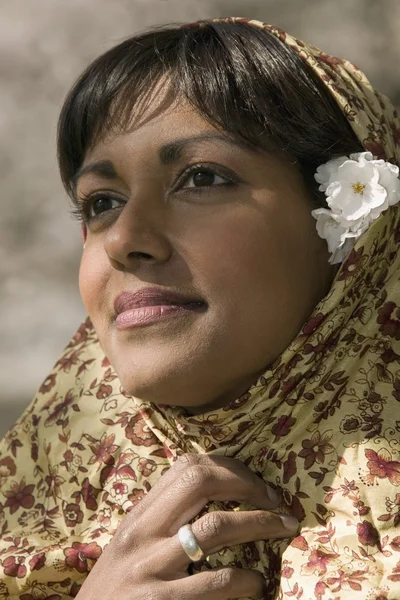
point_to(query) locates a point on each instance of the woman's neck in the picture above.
(225, 398)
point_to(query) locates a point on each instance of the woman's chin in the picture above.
(163, 373)
(156, 397)
(157, 388)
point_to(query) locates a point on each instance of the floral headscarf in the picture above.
(322, 425)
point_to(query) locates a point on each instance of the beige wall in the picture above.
(44, 44)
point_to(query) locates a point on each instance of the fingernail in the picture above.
(273, 496)
(290, 523)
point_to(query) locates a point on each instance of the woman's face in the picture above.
(181, 206)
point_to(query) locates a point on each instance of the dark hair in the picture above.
(240, 78)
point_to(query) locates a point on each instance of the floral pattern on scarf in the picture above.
(322, 425)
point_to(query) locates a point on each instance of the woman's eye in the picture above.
(204, 178)
(102, 204)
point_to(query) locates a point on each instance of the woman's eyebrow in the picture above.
(172, 151)
(104, 168)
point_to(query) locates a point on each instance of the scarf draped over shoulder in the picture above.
(322, 425)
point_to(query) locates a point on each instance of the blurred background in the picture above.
(44, 45)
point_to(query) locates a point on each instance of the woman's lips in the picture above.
(146, 315)
(153, 304)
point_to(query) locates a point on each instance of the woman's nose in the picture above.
(138, 234)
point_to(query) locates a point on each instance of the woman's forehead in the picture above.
(165, 131)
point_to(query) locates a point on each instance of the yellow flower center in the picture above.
(358, 188)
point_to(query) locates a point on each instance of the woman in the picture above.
(238, 193)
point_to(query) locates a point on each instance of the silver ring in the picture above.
(189, 543)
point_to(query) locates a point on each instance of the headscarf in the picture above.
(322, 425)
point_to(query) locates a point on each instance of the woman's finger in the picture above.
(217, 530)
(189, 461)
(201, 476)
(198, 485)
(218, 584)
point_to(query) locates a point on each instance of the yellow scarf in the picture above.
(322, 425)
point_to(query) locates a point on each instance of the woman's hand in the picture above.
(145, 560)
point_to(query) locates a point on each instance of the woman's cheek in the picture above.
(89, 283)
(83, 283)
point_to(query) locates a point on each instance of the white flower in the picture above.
(325, 171)
(354, 189)
(337, 236)
(358, 190)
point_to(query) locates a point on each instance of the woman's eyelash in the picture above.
(82, 207)
(77, 213)
(202, 168)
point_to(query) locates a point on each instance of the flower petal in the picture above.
(327, 170)
(388, 178)
(363, 155)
